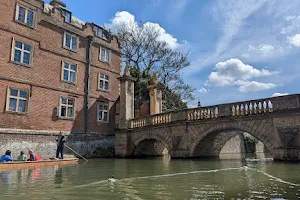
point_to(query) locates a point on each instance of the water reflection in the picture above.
(58, 180)
(154, 179)
(5, 177)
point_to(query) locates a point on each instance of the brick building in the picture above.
(51, 65)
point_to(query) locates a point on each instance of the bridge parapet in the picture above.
(236, 109)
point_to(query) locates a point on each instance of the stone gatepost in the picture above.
(155, 97)
(126, 98)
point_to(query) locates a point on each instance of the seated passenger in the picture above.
(21, 157)
(33, 156)
(7, 157)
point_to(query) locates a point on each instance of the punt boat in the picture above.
(17, 165)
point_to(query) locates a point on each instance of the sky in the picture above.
(239, 49)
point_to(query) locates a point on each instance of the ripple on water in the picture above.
(151, 179)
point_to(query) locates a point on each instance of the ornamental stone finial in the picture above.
(127, 69)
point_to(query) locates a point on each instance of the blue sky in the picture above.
(239, 49)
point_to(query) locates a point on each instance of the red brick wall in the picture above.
(44, 76)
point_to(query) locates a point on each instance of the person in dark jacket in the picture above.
(60, 146)
(6, 157)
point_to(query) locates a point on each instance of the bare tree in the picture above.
(148, 54)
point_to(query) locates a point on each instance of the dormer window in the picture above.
(67, 14)
(98, 31)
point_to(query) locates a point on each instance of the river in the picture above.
(154, 179)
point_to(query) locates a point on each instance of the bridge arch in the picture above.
(205, 139)
(158, 140)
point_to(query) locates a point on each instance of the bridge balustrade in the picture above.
(251, 107)
(237, 109)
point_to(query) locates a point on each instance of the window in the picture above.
(70, 41)
(69, 72)
(25, 15)
(17, 100)
(66, 107)
(21, 52)
(67, 14)
(103, 112)
(104, 54)
(103, 82)
(98, 31)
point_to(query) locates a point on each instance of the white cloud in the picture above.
(123, 17)
(163, 35)
(295, 40)
(253, 86)
(128, 19)
(265, 48)
(232, 14)
(232, 70)
(277, 94)
(203, 90)
(288, 18)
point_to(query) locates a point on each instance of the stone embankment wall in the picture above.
(45, 145)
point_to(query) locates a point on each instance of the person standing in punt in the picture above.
(33, 156)
(60, 146)
(6, 157)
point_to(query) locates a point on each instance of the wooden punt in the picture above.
(17, 165)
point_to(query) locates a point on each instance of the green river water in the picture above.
(154, 179)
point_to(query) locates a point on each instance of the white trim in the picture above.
(104, 81)
(69, 72)
(66, 105)
(106, 50)
(18, 98)
(26, 15)
(71, 36)
(14, 48)
(103, 111)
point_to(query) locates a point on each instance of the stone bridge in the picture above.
(203, 131)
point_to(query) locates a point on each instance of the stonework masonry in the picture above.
(43, 78)
(203, 131)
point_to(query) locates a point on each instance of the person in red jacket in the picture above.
(33, 156)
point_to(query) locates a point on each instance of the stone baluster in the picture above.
(237, 111)
(270, 105)
(208, 113)
(233, 111)
(198, 114)
(212, 112)
(255, 108)
(242, 109)
(260, 107)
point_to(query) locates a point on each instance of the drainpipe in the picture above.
(87, 83)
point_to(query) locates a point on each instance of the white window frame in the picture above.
(104, 81)
(59, 114)
(18, 98)
(26, 14)
(106, 50)
(13, 51)
(103, 111)
(69, 72)
(71, 41)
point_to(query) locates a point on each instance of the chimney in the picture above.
(58, 3)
